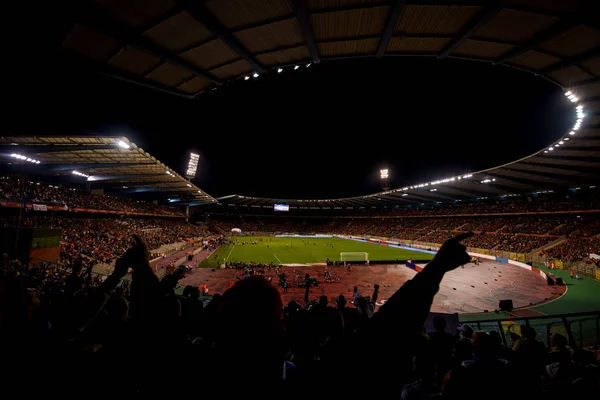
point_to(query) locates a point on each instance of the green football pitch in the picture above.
(303, 251)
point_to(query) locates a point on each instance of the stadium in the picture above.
(473, 280)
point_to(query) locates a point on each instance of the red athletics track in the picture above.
(469, 289)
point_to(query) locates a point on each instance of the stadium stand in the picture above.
(146, 324)
(12, 188)
(63, 333)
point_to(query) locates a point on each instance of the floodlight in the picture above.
(568, 93)
(246, 77)
(255, 75)
(188, 185)
(561, 142)
(280, 70)
(384, 173)
(308, 65)
(550, 148)
(296, 67)
(571, 133)
(545, 151)
(123, 145)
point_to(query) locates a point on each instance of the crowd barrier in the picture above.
(582, 329)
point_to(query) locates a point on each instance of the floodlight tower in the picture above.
(384, 173)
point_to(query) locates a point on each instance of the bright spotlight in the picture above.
(255, 75)
(246, 77)
(192, 165)
(545, 151)
(568, 93)
(550, 148)
(308, 65)
(296, 67)
(571, 133)
(384, 173)
(561, 142)
(279, 70)
(123, 145)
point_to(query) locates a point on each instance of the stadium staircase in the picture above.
(550, 245)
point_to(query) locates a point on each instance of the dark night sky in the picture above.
(319, 132)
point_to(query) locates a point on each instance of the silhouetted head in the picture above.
(341, 301)
(527, 332)
(251, 312)
(251, 309)
(439, 323)
(323, 301)
(483, 343)
(559, 341)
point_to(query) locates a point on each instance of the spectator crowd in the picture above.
(102, 240)
(40, 193)
(64, 334)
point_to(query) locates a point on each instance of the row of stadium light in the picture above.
(25, 158)
(576, 126)
(80, 174)
(420, 185)
(279, 70)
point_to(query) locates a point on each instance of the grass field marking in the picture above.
(275, 255)
(227, 258)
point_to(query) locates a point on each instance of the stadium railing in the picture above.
(582, 329)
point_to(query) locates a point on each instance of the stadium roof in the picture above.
(105, 161)
(186, 47)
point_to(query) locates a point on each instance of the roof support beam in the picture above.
(41, 149)
(198, 10)
(468, 193)
(558, 28)
(155, 189)
(548, 175)
(97, 17)
(435, 194)
(522, 181)
(580, 148)
(143, 183)
(390, 27)
(571, 61)
(129, 78)
(83, 167)
(80, 63)
(581, 168)
(482, 18)
(304, 21)
(585, 82)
